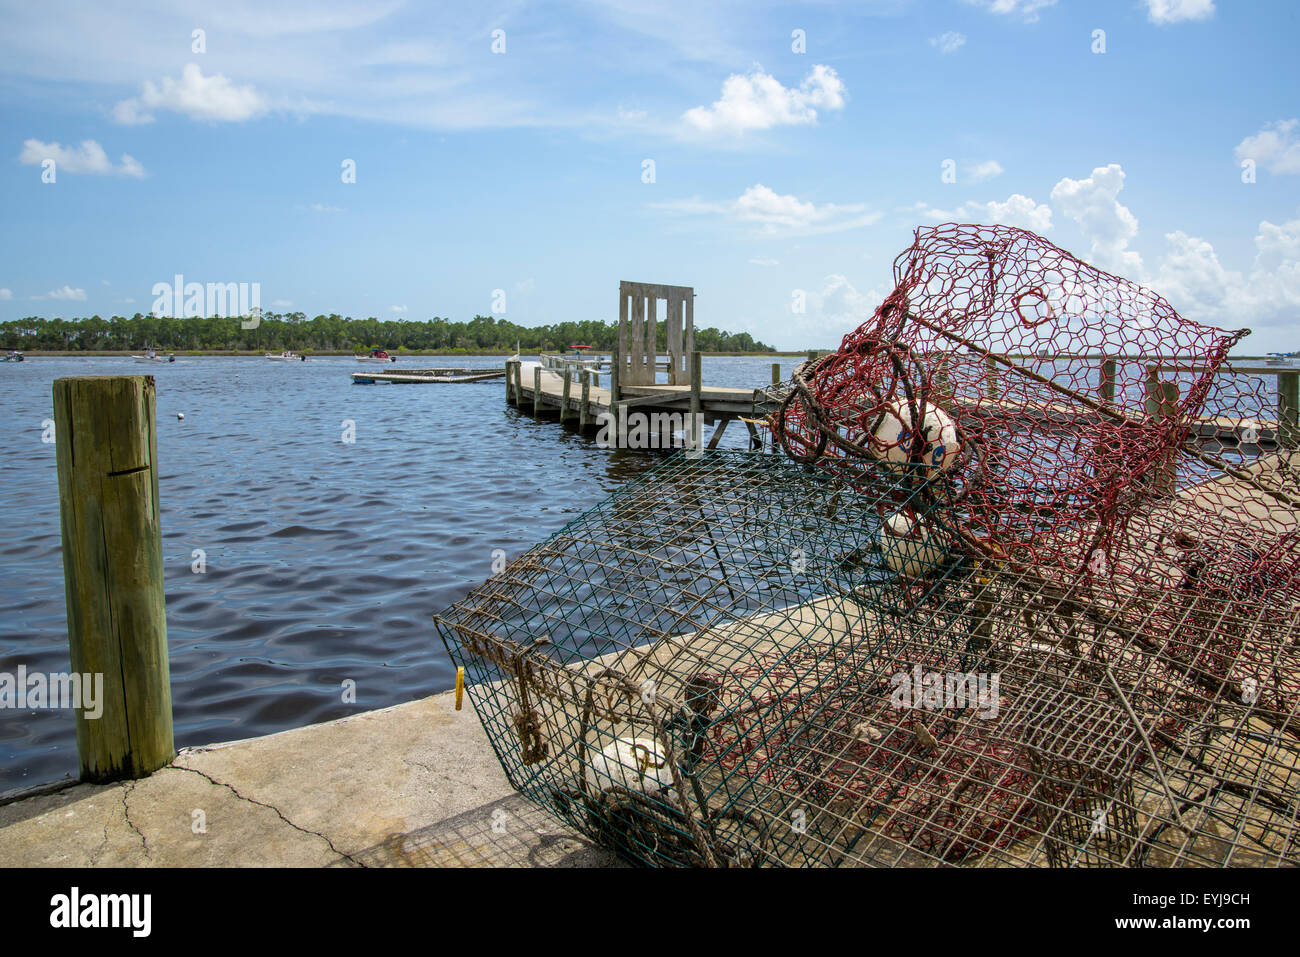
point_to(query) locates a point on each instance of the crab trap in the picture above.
(1011, 595)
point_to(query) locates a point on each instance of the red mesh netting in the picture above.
(1063, 401)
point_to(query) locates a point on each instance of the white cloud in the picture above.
(6, 294)
(764, 261)
(979, 172)
(89, 157)
(194, 95)
(837, 308)
(1016, 210)
(322, 208)
(1274, 147)
(759, 101)
(65, 292)
(1026, 9)
(397, 309)
(1201, 288)
(949, 42)
(775, 214)
(1175, 11)
(1108, 224)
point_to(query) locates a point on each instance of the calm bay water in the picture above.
(324, 560)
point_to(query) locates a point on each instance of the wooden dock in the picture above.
(573, 396)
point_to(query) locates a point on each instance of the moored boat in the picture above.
(377, 355)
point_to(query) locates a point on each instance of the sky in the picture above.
(409, 160)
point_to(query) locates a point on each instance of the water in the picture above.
(324, 560)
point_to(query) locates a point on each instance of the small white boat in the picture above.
(13, 356)
(152, 356)
(285, 356)
(377, 355)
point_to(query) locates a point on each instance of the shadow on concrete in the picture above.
(510, 832)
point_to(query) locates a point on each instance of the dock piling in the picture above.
(107, 454)
(697, 406)
(565, 413)
(1288, 409)
(584, 417)
(537, 391)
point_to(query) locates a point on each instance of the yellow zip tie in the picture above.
(460, 685)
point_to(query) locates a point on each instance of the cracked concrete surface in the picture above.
(412, 785)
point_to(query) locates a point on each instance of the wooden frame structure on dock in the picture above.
(638, 332)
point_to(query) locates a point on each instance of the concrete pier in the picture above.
(320, 796)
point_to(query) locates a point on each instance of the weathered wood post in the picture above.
(1161, 402)
(107, 454)
(697, 406)
(511, 372)
(564, 395)
(537, 391)
(519, 385)
(991, 377)
(1106, 381)
(584, 417)
(615, 367)
(776, 373)
(1288, 409)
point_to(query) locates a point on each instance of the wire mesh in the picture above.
(1044, 621)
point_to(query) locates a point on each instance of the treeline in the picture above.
(276, 331)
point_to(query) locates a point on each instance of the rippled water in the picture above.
(325, 560)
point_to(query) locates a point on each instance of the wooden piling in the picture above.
(1288, 409)
(564, 395)
(512, 397)
(107, 453)
(776, 373)
(1161, 402)
(519, 385)
(615, 367)
(1106, 381)
(697, 406)
(537, 391)
(991, 377)
(584, 416)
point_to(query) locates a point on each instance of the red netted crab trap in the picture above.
(1022, 589)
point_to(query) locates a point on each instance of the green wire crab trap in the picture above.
(734, 661)
(1054, 625)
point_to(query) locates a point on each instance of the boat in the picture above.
(13, 356)
(1282, 358)
(377, 355)
(151, 355)
(285, 356)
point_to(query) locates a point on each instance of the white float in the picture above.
(631, 763)
(908, 548)
(893, 436)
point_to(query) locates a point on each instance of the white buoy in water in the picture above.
(180, 415)
(631, 763)
(908, 547)
(893, 433)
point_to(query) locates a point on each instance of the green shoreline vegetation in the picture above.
(329, 335)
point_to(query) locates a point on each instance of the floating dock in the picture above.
(414, 376)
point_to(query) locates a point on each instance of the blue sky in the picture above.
(774, 171)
